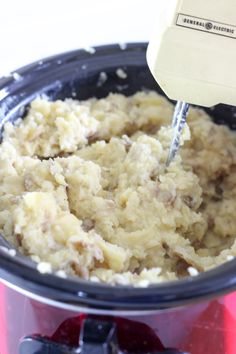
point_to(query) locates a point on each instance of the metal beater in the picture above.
(178, 123)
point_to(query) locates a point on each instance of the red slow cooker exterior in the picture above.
(43, 314)
(205, 328)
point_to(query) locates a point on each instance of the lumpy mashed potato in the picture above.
(84, 188)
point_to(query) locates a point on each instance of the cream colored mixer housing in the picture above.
(193, 52)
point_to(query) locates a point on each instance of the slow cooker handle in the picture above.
(99, 337)
(96, 337)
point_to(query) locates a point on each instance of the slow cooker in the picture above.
(45, 314)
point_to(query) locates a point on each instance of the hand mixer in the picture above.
(192, 56)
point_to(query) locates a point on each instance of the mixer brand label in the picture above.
(201, 24)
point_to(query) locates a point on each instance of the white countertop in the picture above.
(31, 30)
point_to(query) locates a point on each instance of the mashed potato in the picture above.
(84, 187)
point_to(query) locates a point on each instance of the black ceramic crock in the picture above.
(77, 74)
